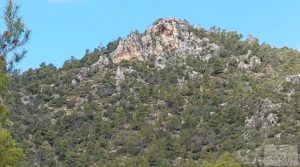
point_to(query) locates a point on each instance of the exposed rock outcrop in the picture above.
(265, 117)
(160, 62)
(119, 77)
(102, 62)
(295, 79)
(83, 73)
(166, 37)
(248, 62)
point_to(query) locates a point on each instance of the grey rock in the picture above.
(167, 37)
(295, 79)
(102, 62)
(160, 62)
(119, 77)
(248, 63)
(74, 82)
(83, 73)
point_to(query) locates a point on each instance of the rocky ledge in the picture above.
(165, 37)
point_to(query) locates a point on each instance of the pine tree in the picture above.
(12, 38)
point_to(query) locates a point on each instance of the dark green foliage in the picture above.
(218, 66)
(111, 46)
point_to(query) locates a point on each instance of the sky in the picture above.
(65, 28)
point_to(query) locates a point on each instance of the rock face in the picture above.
(263, 115)
(103, 61)
(295, 79)
(166, 37)
(119, 75)
(248, 63)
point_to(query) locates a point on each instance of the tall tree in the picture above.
(13, 37)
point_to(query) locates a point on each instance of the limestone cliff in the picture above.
(165, 37)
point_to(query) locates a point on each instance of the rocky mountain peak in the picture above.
(165, 37)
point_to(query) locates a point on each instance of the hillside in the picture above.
(174, 95)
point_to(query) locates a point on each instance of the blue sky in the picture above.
(65, 28)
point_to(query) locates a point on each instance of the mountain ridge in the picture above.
(159, 98)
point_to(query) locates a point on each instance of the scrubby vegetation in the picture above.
(135, 114)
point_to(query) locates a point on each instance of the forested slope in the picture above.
(174, 95)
